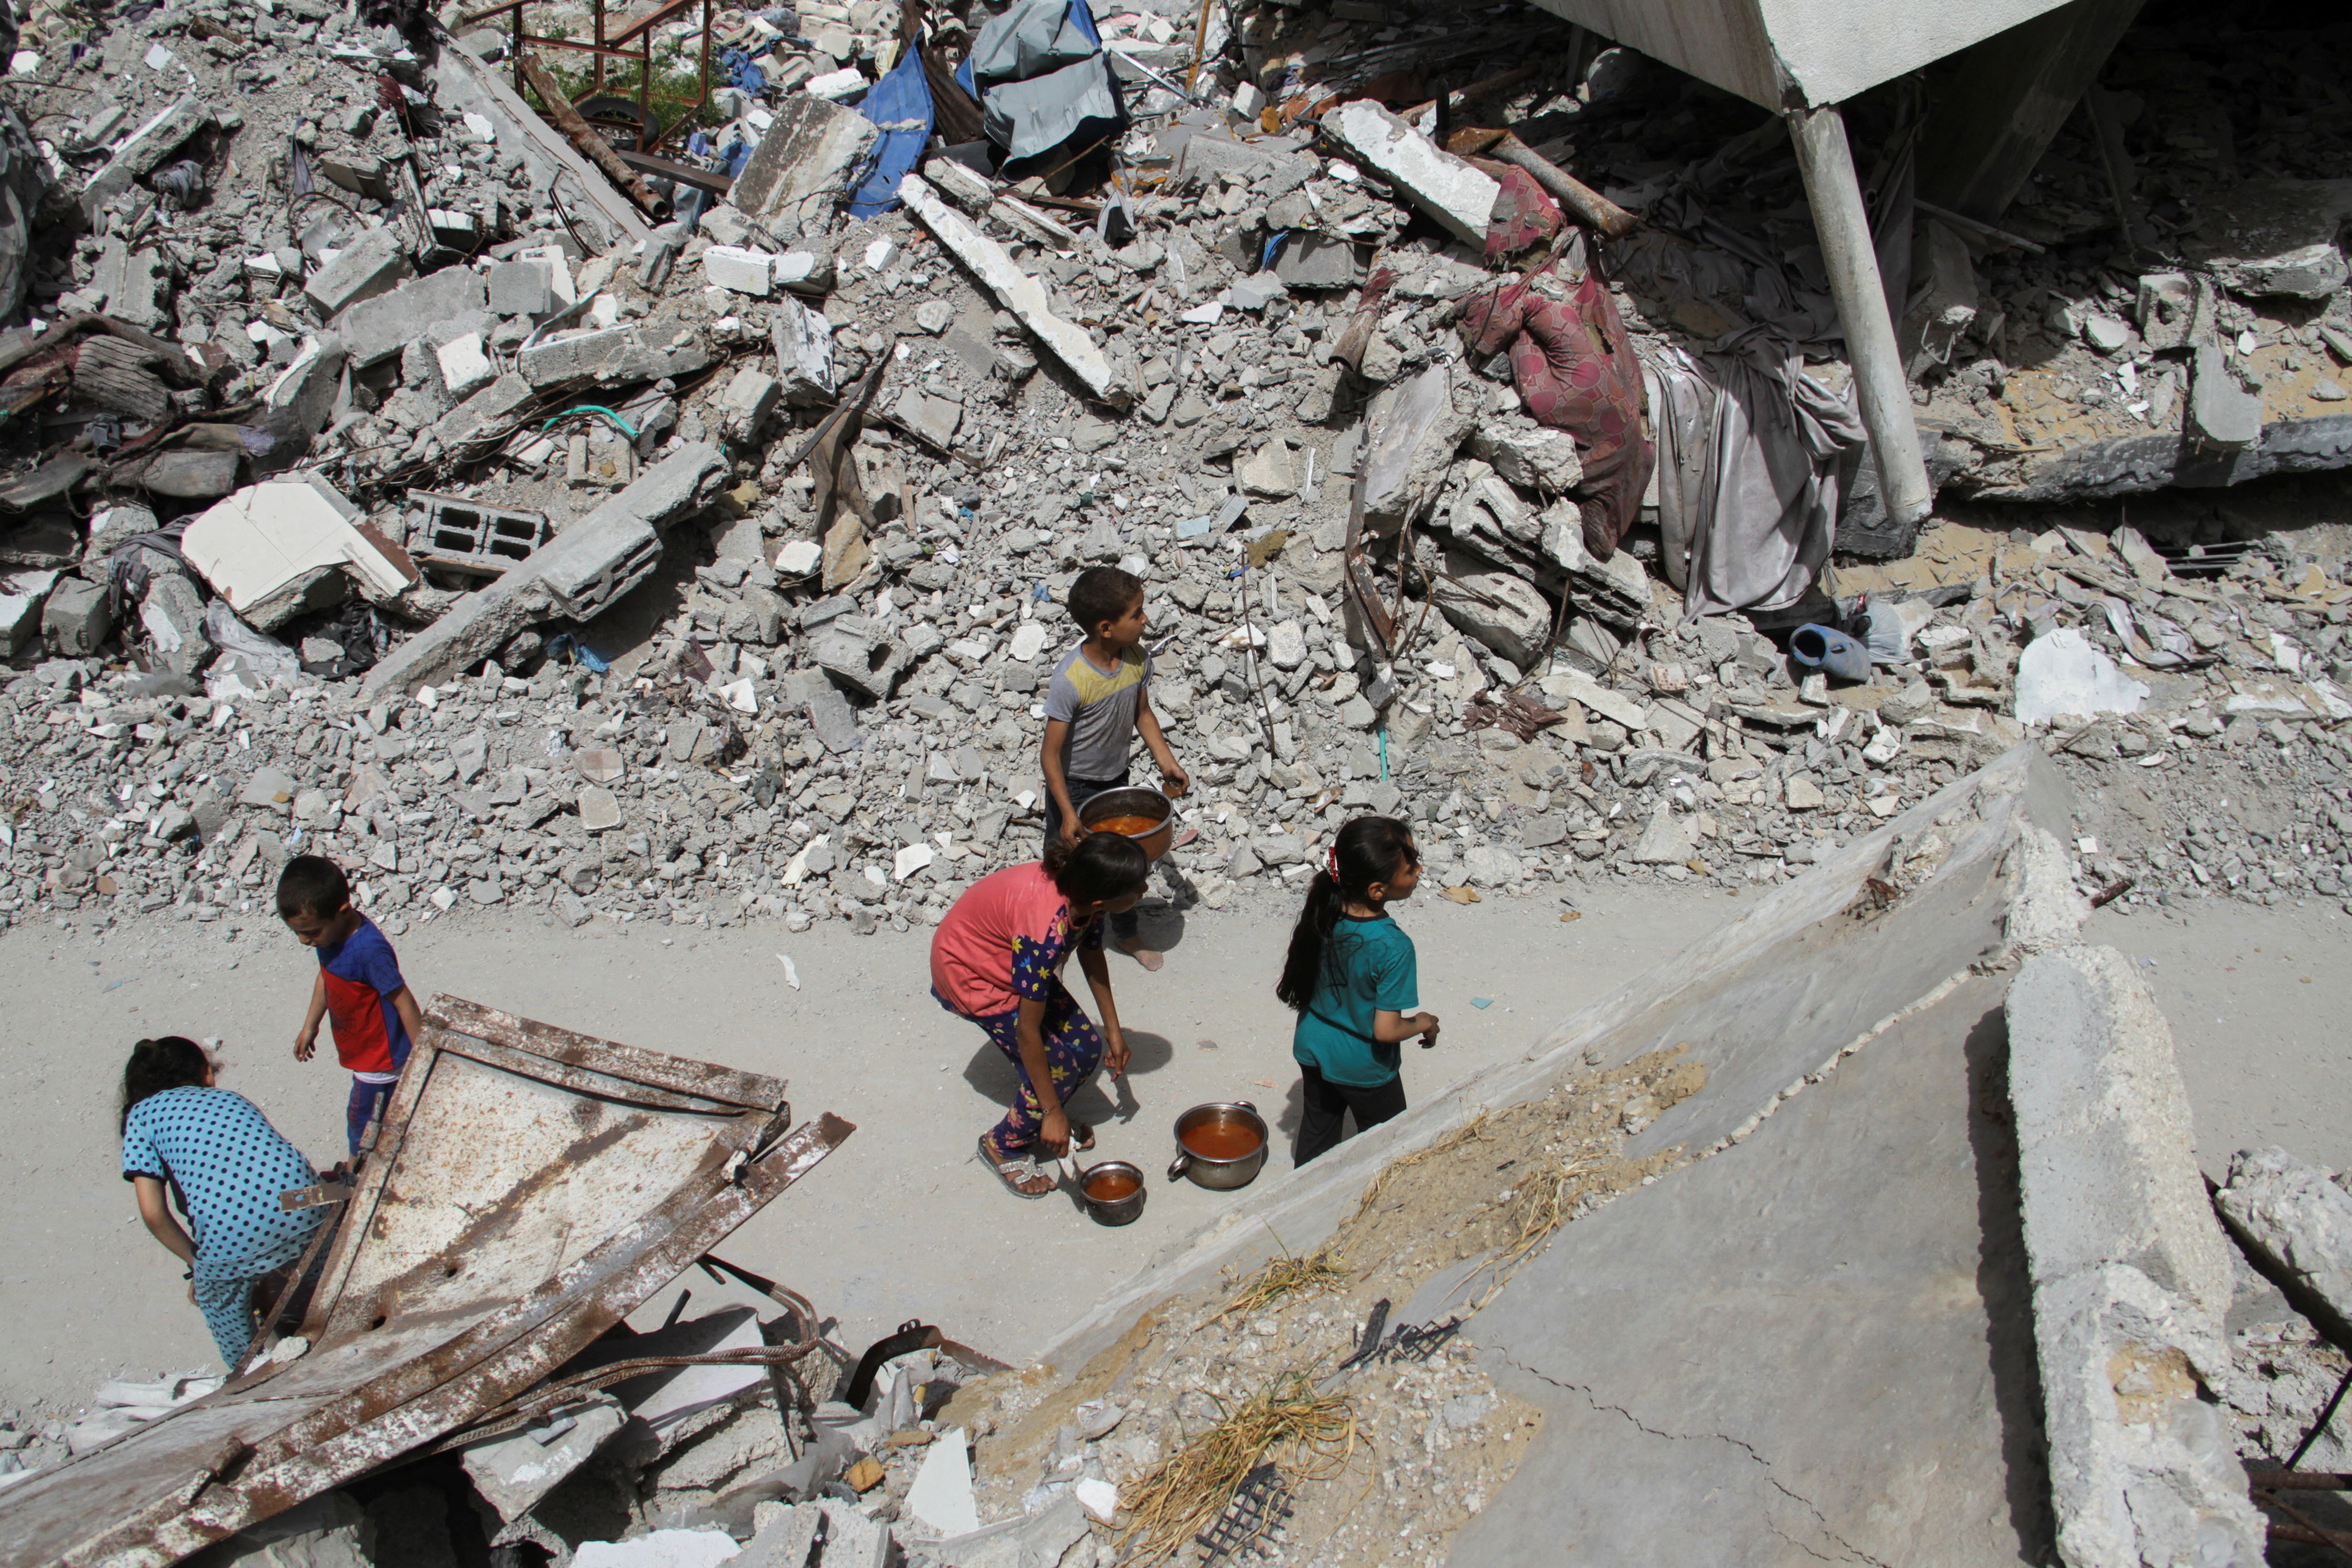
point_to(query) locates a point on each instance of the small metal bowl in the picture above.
(1217, 1174)
(1112, 1211)
(1135, 799)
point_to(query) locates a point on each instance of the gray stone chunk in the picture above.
(1667, 840)
(1318, 261)
(521, 288)
(485, 417)
(75, 621)
(2294, 1218)
(631, 352)
(807, 152)
(149, 145)
(2221, 411)
(371, 265)
(376, 329)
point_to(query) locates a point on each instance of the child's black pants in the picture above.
(1319, 1125)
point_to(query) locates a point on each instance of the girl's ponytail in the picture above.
(1368, 849)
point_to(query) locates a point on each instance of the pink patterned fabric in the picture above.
(1576, 372)
(1524, 214)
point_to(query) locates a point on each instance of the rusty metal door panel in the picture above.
(528, 1189)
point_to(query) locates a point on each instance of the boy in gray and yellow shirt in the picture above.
(1095, 703)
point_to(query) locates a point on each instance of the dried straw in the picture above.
(1311, 1435)
(1284, 1277)
(1472, 1131)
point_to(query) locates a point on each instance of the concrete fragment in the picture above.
(1667, 840)
(941, 1495)
(935, 419)
(380, 326)
(741, 270)
(2221, 412)
(805, 159)
(1270, 471)
(75, 621)
(22, 594)
(485, 419)
(1268, 173)
(1412, 432)
(803, 340)
(852, 1538)
(521, 288)
(2276, 237)
(2296, 1220)
(371, 265)
(1016, 292)
(307, 388)
(1460, 197)
(662, 1548)
(1318, 261)
(1573, 685)
(630, 351)
(1501, 609)
(2131, 1273)
(464, 367)
(514, 1472)
(746, 403)
(144, 152)
(259, 547)
(173, 613)
(577, 574)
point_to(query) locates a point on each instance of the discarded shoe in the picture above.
(1829, 649)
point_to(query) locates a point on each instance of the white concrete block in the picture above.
(1457, 194)
(464, 367)
(734, 267)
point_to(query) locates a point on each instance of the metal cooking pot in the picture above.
(1135, 799)
(1220, 1175)
(1112, 1211)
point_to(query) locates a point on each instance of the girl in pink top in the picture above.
(997, 959)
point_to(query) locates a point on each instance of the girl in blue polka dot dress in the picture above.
(214, 1153)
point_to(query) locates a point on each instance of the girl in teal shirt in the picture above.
(1351, 979)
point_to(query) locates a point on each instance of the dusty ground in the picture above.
(903, 1223)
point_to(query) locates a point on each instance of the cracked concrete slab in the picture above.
(1814, 1346)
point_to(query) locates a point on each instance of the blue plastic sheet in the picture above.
(900, 104)
(736, 67)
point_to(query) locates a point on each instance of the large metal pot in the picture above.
(1221, 1173)
(1135, 799)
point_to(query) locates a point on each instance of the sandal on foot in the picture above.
(1082, 1137)
(1015, 1169)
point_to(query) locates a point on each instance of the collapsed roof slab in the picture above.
(1812, 1334)
(528, 1187)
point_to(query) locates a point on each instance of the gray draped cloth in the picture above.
(1750, 451)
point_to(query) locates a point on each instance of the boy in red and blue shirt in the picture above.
(359, 986)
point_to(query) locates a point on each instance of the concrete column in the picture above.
(1843, 225)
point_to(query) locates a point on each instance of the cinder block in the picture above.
(494, 536)
(371, 265)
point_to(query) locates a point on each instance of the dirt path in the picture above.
(904, 1222)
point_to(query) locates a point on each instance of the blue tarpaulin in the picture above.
(900, 104)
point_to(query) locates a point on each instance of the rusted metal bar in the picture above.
(2299, 1480)
(678, 1074)
(684, 174)
(581, 1080)
(595, 148)
(2315, 1531)
(1589, 206)
(601, 51)
(1358, 335)
(599, 78)
(1485, 87)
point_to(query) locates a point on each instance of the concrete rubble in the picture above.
(818, 666)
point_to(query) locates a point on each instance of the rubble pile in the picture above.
(446, 515)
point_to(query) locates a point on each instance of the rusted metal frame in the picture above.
(583, 138)
(2310, 1529)
(540, 1400)
(658, 1070)
(1377, 619)
(602, 51)
(2298, 1480)
(668, 11)
(159, 1514)
(506, 1353)
(1583, 203)
(582, 1080)
(597, 81)
(785, 1380)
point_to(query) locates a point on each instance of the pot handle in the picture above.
(1183, 1160)
(1245, 1105)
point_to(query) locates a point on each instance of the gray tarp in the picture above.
(1039, 78)
(1749, 447)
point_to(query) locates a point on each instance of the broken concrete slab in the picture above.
(1412, 431)
(803, 340)
(514, 1473)
(261, 547)
(22, 594)
(371, 265)
(2297, 1221)
(307, 388)
(1459, 197)
(630, 351)
(522, 287)
(2276, 237)
(806, 155)
(1862, 1227)
(1270, 175)
(2131, 1273)
(2061, 674)
(144, 152)
(1016, 292)
(2221, 412)
(577, 575)
(379, 327)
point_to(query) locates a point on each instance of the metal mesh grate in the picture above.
(1259, 1504)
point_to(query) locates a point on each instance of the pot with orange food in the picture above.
(1134, 812)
